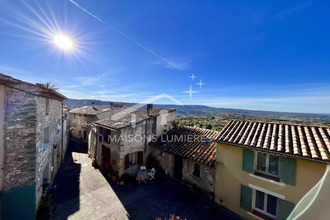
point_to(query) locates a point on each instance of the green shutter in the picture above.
(286, 208)
(248, 160)
(288, 170)
(246, 198)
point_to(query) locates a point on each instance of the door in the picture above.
(178, 167)
(106, 158)
(85, 135)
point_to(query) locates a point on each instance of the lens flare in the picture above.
(63, 42)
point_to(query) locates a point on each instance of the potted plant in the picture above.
(114, 176)
(125, 178)
(121, 181)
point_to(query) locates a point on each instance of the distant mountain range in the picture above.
(202, 109)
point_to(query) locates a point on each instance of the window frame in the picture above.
(134, 155)
(266, 172)
(197, 172)
(264, 210)
(48, 136)
(47, 107)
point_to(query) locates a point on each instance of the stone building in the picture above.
(120, 142)
(81, 118)
(188, 153)
(32, 144)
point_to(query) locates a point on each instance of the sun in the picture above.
(63, 42)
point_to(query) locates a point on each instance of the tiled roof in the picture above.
(128, 116)
(89, 110)
(309, 142)
(201, 150)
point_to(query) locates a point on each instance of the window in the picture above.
(266, 204)
(268, 164)
(46, 138)
(46, 135)
(47, 106)
(79, 133)
(106, 135)
(133, 159)
(197, 170)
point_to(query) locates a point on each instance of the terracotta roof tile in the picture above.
(309, 142)
(195, 150)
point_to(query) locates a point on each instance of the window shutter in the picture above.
(246, 198)
(288, 170)
(126, 161)
(248, 160)
(140, 157)
(286, 208)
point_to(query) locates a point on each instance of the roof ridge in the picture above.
(271, 122)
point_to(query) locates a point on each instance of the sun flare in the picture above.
(63, 42)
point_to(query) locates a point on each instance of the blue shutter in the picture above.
(246, 198)
(286, 208)
(288, 170)
(248, 160)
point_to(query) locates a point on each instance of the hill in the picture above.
(207, 110)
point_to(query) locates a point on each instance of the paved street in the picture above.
(84, 193)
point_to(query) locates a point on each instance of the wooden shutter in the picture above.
(246, 198)
(286, 208)
(126, 161)
(288, 170)
(248, 160)
(140, 157)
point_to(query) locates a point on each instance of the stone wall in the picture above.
(79, 123)
(2, 135)
(114, 147)
(151, 127)
(206, 179)
(48, 158)
(20, 138)
(66, 133)
(166, 160)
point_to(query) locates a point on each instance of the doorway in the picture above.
(106, 158)
(178, 166)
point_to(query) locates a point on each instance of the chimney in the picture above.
(93, 105)
(149, 109)
(111, 105)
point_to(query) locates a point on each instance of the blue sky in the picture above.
(264, 55)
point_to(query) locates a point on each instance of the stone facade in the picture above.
(205, 180)
(30, 116)
(166, 160)
(48, 157)
(149, 127)
(82, 118)
(2, 134)
(79, 125)
(20, 138)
